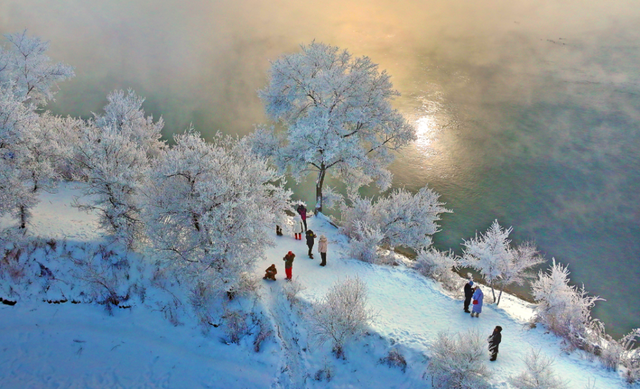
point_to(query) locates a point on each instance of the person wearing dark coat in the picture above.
(288, 264)
(270, 273)
(494, 340)
(468, 293)
(302, 210)
(310, 240)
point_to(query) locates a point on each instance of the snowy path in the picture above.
(292, 373)
(412, 310)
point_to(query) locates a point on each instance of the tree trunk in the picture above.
(499, 295)
(23, 217)
(319, 183)
(493, 291)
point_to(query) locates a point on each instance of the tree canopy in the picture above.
(337, 116)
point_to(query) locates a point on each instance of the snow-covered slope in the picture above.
(81, 346)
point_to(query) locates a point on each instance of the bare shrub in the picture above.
(201, 297)
(537, 374)
(457, 361)
(324, 374)
(104, 273)
(247, 285)
(291, 290)
(13, 264)
(263, 334)
(395, 359)
(235, 325)
(341, 315)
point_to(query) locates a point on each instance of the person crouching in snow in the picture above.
(270, 273)
(494, 340)
(468, 293)
(322, 249)
(288, 264)
(310, 240)
(298, 227)
(477, 302)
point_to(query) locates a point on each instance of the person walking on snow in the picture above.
(298, 228)
(468, 293)
(322, 249)
(494, 340)
(477, 302)
(288, 264)
(310, 240)
(302, 211)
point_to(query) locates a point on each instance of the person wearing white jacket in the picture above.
(298, 227)
(322, 249)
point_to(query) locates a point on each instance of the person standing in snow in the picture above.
(477, 302)
(322, 249)
(310, 240)
(468, 293)
(288, 264)
(298, 227)
(302, 211)
(494, 340)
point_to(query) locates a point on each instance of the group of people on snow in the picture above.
(474, 294)
(299, 226)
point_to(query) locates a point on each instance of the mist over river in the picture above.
(527, 112)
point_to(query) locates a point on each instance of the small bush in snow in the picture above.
(324, 374)
(563, 308)
(263, 334)
(235, 325)
(439, 266)
(537, 374)
(395, 359)
(457, 361)
(364, 244)
(13, 264)
(341, 315)
(291, 290)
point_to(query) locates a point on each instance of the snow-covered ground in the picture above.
(81, 346)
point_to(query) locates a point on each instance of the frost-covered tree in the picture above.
(27, 81)
(538, 373)
(124, 113)
(499, 263)
(440, 266)
(15, 121)
(211, 207)
(401, 218)
(341, 315)
(337, 116)
(458, 361)
(28, 71)
(563, 308)
(116, 169)
(113, 152)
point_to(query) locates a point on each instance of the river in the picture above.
(527, 112)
